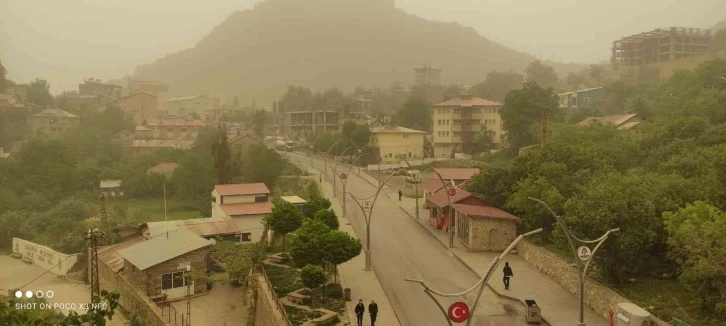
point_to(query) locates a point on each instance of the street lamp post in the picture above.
(481, 284)
(416, 184)
(581, 254)
(367, 214)
(345, 183)
(334, 167)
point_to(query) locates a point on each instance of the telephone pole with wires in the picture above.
(93, 236)
(104, 212)
(545, 127)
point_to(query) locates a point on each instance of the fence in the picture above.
(171, 315)
(278, 303)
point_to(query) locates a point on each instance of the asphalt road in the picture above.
(401, 249)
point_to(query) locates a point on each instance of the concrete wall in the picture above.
(600, 298)
(56, 262)
(267, 310)
(131, 299)
(140, 106)
(250, 224)
(52, 127)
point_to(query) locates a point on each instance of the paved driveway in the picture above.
(401, 249)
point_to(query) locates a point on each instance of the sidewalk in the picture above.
(559, 306)
(363, 284)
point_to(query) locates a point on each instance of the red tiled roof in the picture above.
(457, 174)
(439, 198)
(467, 101)
(433, 185)
(174, 122)
(484, 211)
(247, 208)
(241, 189)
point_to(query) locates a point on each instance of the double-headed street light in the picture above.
(582, 253)
(344, 181)
(481, 284)
(367, 209)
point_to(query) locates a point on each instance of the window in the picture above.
(246, 237)
(573, 101)
(169, 130)
(172, 280)
(405, 136)
(259, 199)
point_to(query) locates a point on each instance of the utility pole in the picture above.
(582, 254)
(93, 237)
(187, 280)
(104, 212)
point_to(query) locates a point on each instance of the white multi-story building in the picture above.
(246, 204)
(458, 123)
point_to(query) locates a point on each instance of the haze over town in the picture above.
(65, 41)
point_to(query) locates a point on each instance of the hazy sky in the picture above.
(65, 41)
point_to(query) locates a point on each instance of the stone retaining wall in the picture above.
(268, 311)
(131, 299)
(599, 297)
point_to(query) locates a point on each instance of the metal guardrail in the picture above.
(169, 314)
(278, 303)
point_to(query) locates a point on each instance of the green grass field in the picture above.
(152, 209)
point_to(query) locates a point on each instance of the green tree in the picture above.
(328, 217)
(284, 219)
(312, 277)
(536, 216)
(39, 93)
(236, 101)
(315, 204)
(308, 246)
(483, 143)
(497, 84)
(522, 108)
(415, 114)
(574, 80)
(262, 164)
(222, 163)
(697, 239)
(542, 74)
(340, 247)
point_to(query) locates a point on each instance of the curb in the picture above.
(471, 269)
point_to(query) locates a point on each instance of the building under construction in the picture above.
(663, 44)
(428, 76)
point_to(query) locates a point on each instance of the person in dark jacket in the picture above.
(400, 194)
(373, 310)
(360, 308)
(507, 275)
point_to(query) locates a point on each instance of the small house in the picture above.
(246, 204)
(111, 187)
(294, 200)
(484, 228)
(161, 266)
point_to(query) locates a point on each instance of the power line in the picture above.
(39, 276)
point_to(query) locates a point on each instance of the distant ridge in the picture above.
(327, 43)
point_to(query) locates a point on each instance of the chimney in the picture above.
(466, 96)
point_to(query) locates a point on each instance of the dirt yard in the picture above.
(223, 306)
(15, 274)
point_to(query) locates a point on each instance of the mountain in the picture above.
(327, 43)
(720, 25)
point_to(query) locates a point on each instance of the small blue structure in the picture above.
(581, 99)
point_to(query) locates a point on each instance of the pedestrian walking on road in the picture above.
(507, 275)
(321, 178)
(373, 310)
(400, 194)
(360, 308)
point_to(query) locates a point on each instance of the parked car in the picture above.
(397, 171)
(413, 176)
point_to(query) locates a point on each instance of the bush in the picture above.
(334, 291)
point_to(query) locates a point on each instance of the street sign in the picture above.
(452, 192)
(343, 176)
(584, 253)
(367, 206)
(458, 312)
